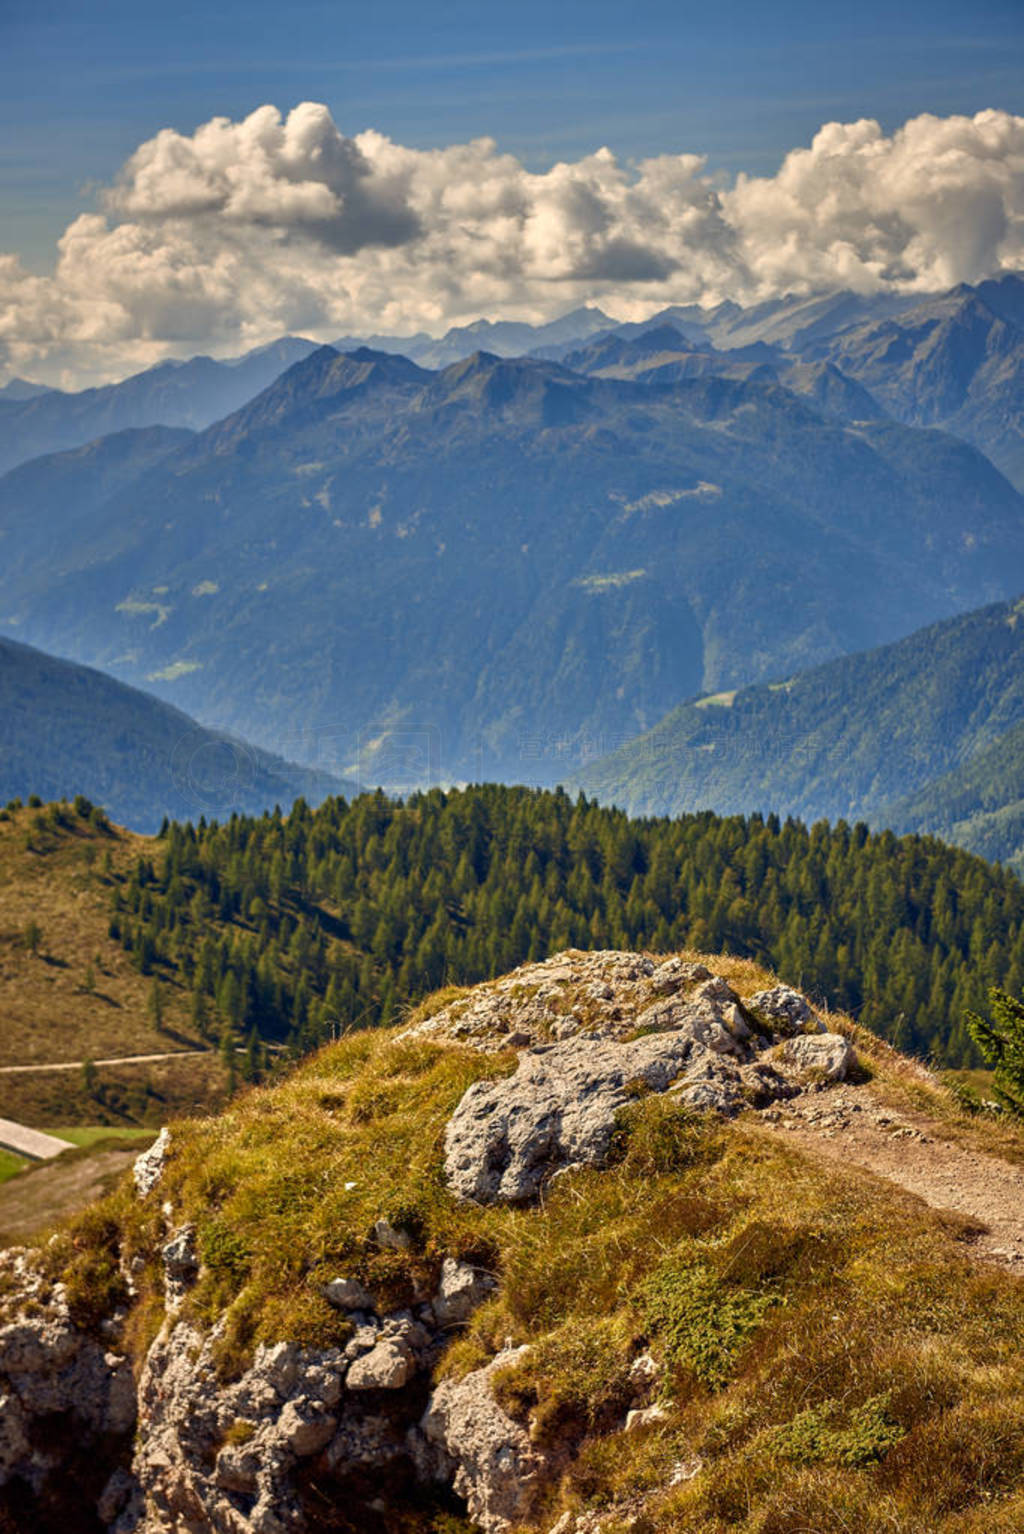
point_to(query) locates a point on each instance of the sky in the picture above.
(103, 101)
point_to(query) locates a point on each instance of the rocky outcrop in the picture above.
(64, 1394)
(149, 1167)
(596, 1032)
(259, 1452)
(493, 1464)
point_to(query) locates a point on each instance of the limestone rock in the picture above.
(558, 1110)
(785, 1010)
(461, 1290)
(388, 1365)
(180, 1262)
(149, 1167)
(498, 1471)
(824, 1055)
(347, 1294)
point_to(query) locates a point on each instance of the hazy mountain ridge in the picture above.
(191, 394)
(67, 729)
(322, 563)
(920, 735)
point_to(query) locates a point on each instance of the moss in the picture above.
(240, 1432)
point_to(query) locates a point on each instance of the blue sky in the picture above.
(82, 82)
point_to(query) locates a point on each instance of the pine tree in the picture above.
(1001, 1041)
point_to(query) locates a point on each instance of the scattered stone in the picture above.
(826, 1055)
(181, 1264)
(390, 1239)
(646, 1416)
(461, 1290)
(785, 1010)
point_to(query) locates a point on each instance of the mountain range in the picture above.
(35, 420)
(494, 569)
(67, 730)
(926, 734)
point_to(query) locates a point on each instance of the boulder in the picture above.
(826, 1056)
(784, 1010)
(559, 1109)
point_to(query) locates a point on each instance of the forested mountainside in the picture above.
(979, 806)
(67, 730)
(917, 735)
(290, 928)
(513, 561)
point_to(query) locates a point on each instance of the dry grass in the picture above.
(124, 1095)
(830, 1359)
(54, 877)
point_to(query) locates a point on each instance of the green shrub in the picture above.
(701, 1322)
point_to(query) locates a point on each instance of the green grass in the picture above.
(92, 1134)
(10, 1165)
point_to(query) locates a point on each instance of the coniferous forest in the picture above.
(290, 928)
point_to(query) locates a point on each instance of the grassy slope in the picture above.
(56, 878)
(832, 1359)
(851, 737)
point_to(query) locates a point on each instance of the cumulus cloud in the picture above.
(243, 230)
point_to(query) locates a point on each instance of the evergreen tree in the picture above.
(1001, 1040)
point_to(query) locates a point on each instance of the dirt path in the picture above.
(34, 1200)
(76, 1065)
(850, 1125)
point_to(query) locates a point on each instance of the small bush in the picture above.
(701, 1322)
(821, 1436)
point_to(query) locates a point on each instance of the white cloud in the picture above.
(227, 238)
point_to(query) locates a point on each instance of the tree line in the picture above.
(287, 928)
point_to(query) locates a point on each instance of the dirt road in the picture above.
(33, 1143)
(76, 1065)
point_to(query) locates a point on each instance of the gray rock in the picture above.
(558, 1110)
(387, 1366)
(361, 1341)
(347, 1294)
(461, 1290)
(120, 1489)
(497, 1470)
(149, 1167)
(181, 1263)
(304, 1428)
(785, 1010)
(14, 1444)
(675, 974)
(390, 1239)
(824, 1055)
